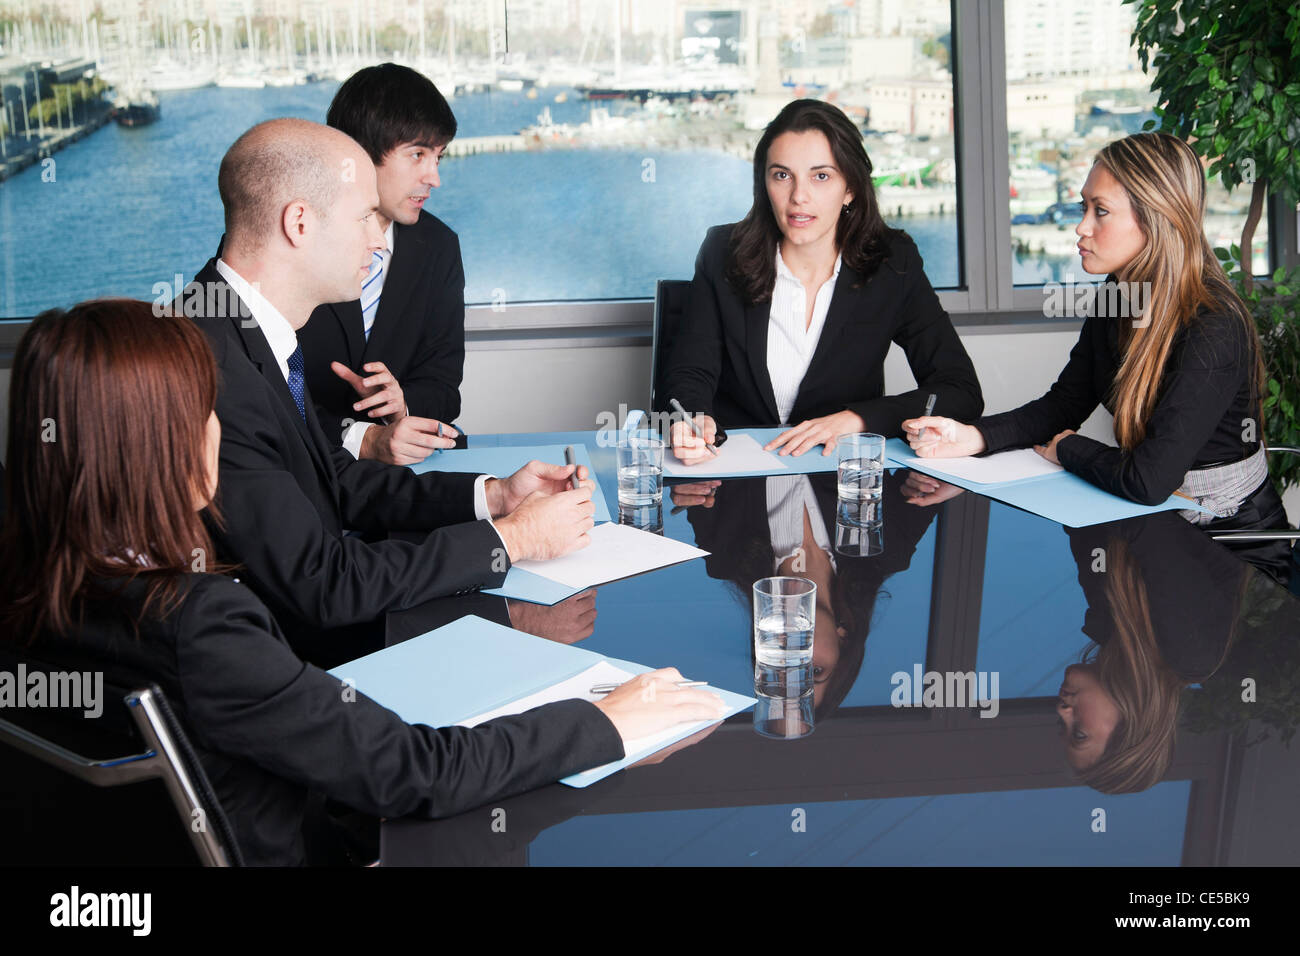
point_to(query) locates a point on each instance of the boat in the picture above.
(136, 106)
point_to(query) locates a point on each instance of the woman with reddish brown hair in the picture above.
(112, 454)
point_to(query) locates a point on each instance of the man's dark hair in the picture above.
(383, 106)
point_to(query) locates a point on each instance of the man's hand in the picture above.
(408, 441)
(1049, 451)
(379, 392)
(505, 494)
(570, 621)
(546, 526)
(689, 449)
(817, 431)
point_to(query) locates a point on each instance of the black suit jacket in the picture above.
(419, 331)
(269, 728)
(287, 493)
(718, 364)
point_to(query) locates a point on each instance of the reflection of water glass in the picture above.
(859, 528)
(861, 467)
(640, 468)
(785, 701)
(785, 611)
(646, 517)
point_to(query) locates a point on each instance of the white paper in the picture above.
(616, 551)
(580, 687)
(1003, 466)
(738, 454)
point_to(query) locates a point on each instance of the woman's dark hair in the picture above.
(860, 235)
(108, 412)
(383, 106)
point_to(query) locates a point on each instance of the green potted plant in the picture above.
(1227, 74)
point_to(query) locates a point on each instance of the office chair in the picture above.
(166, 756)
(1292, 534)
(671, 298)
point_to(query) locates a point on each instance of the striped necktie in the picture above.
(371, 290)
(298, 381)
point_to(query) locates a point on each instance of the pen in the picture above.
(929, 404)
(677, 407)
(610, 688)
(570, 459)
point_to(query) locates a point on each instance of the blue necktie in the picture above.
(298, 382)
(370, 291)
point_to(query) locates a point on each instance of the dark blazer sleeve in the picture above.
(432, 381)
(1067, 404)
(312, 571)
(1201, 378)
(934, 351)
(248, 695)
(696, 360)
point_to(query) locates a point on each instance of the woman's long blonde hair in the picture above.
(1165, 184)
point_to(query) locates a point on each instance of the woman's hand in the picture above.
(817, 431)
(923, 490)
(934, 437)
(689, 449)
(1049, 451)
(694, 493)
(652, 702)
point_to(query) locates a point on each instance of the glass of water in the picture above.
(785, 708)
(640, 468)
(861, 468)
(785, 611)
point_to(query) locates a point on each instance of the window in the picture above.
(597, 141)
(1074, 84)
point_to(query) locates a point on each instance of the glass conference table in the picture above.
(886, 765)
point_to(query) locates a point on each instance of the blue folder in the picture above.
(1063, 497)
(473, 666)
(524, 585)
(506, 460)
(809, 463)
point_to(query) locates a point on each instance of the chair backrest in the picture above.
(671, 298)
(159, 750)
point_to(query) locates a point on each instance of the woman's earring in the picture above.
(846, 209)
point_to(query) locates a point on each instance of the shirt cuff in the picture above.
(352, 436)
(481, 510)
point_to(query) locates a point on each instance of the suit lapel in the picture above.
(757, 315)
(348, 316)
(258, 350)
(845, 301)
(403, 275)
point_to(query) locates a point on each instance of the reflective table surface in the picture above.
(946, 717)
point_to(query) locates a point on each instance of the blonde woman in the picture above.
(1178, 367)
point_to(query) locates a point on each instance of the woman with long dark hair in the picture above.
(112, 454)
(793, 309)
(1173, 355)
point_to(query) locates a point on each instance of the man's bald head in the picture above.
(275, 163)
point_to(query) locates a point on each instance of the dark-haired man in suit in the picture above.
(301, 203)
(385, 369)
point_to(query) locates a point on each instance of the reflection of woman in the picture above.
(785, 525)
(96, 565)
(1162, 605)
(793, 309)
(1181, 373)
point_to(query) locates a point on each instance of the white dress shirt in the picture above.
(790, 346)
(788, 496)
(353, 433)
(283, 339)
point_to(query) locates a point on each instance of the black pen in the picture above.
(571, 459)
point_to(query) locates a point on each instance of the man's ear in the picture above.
(296, 220)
